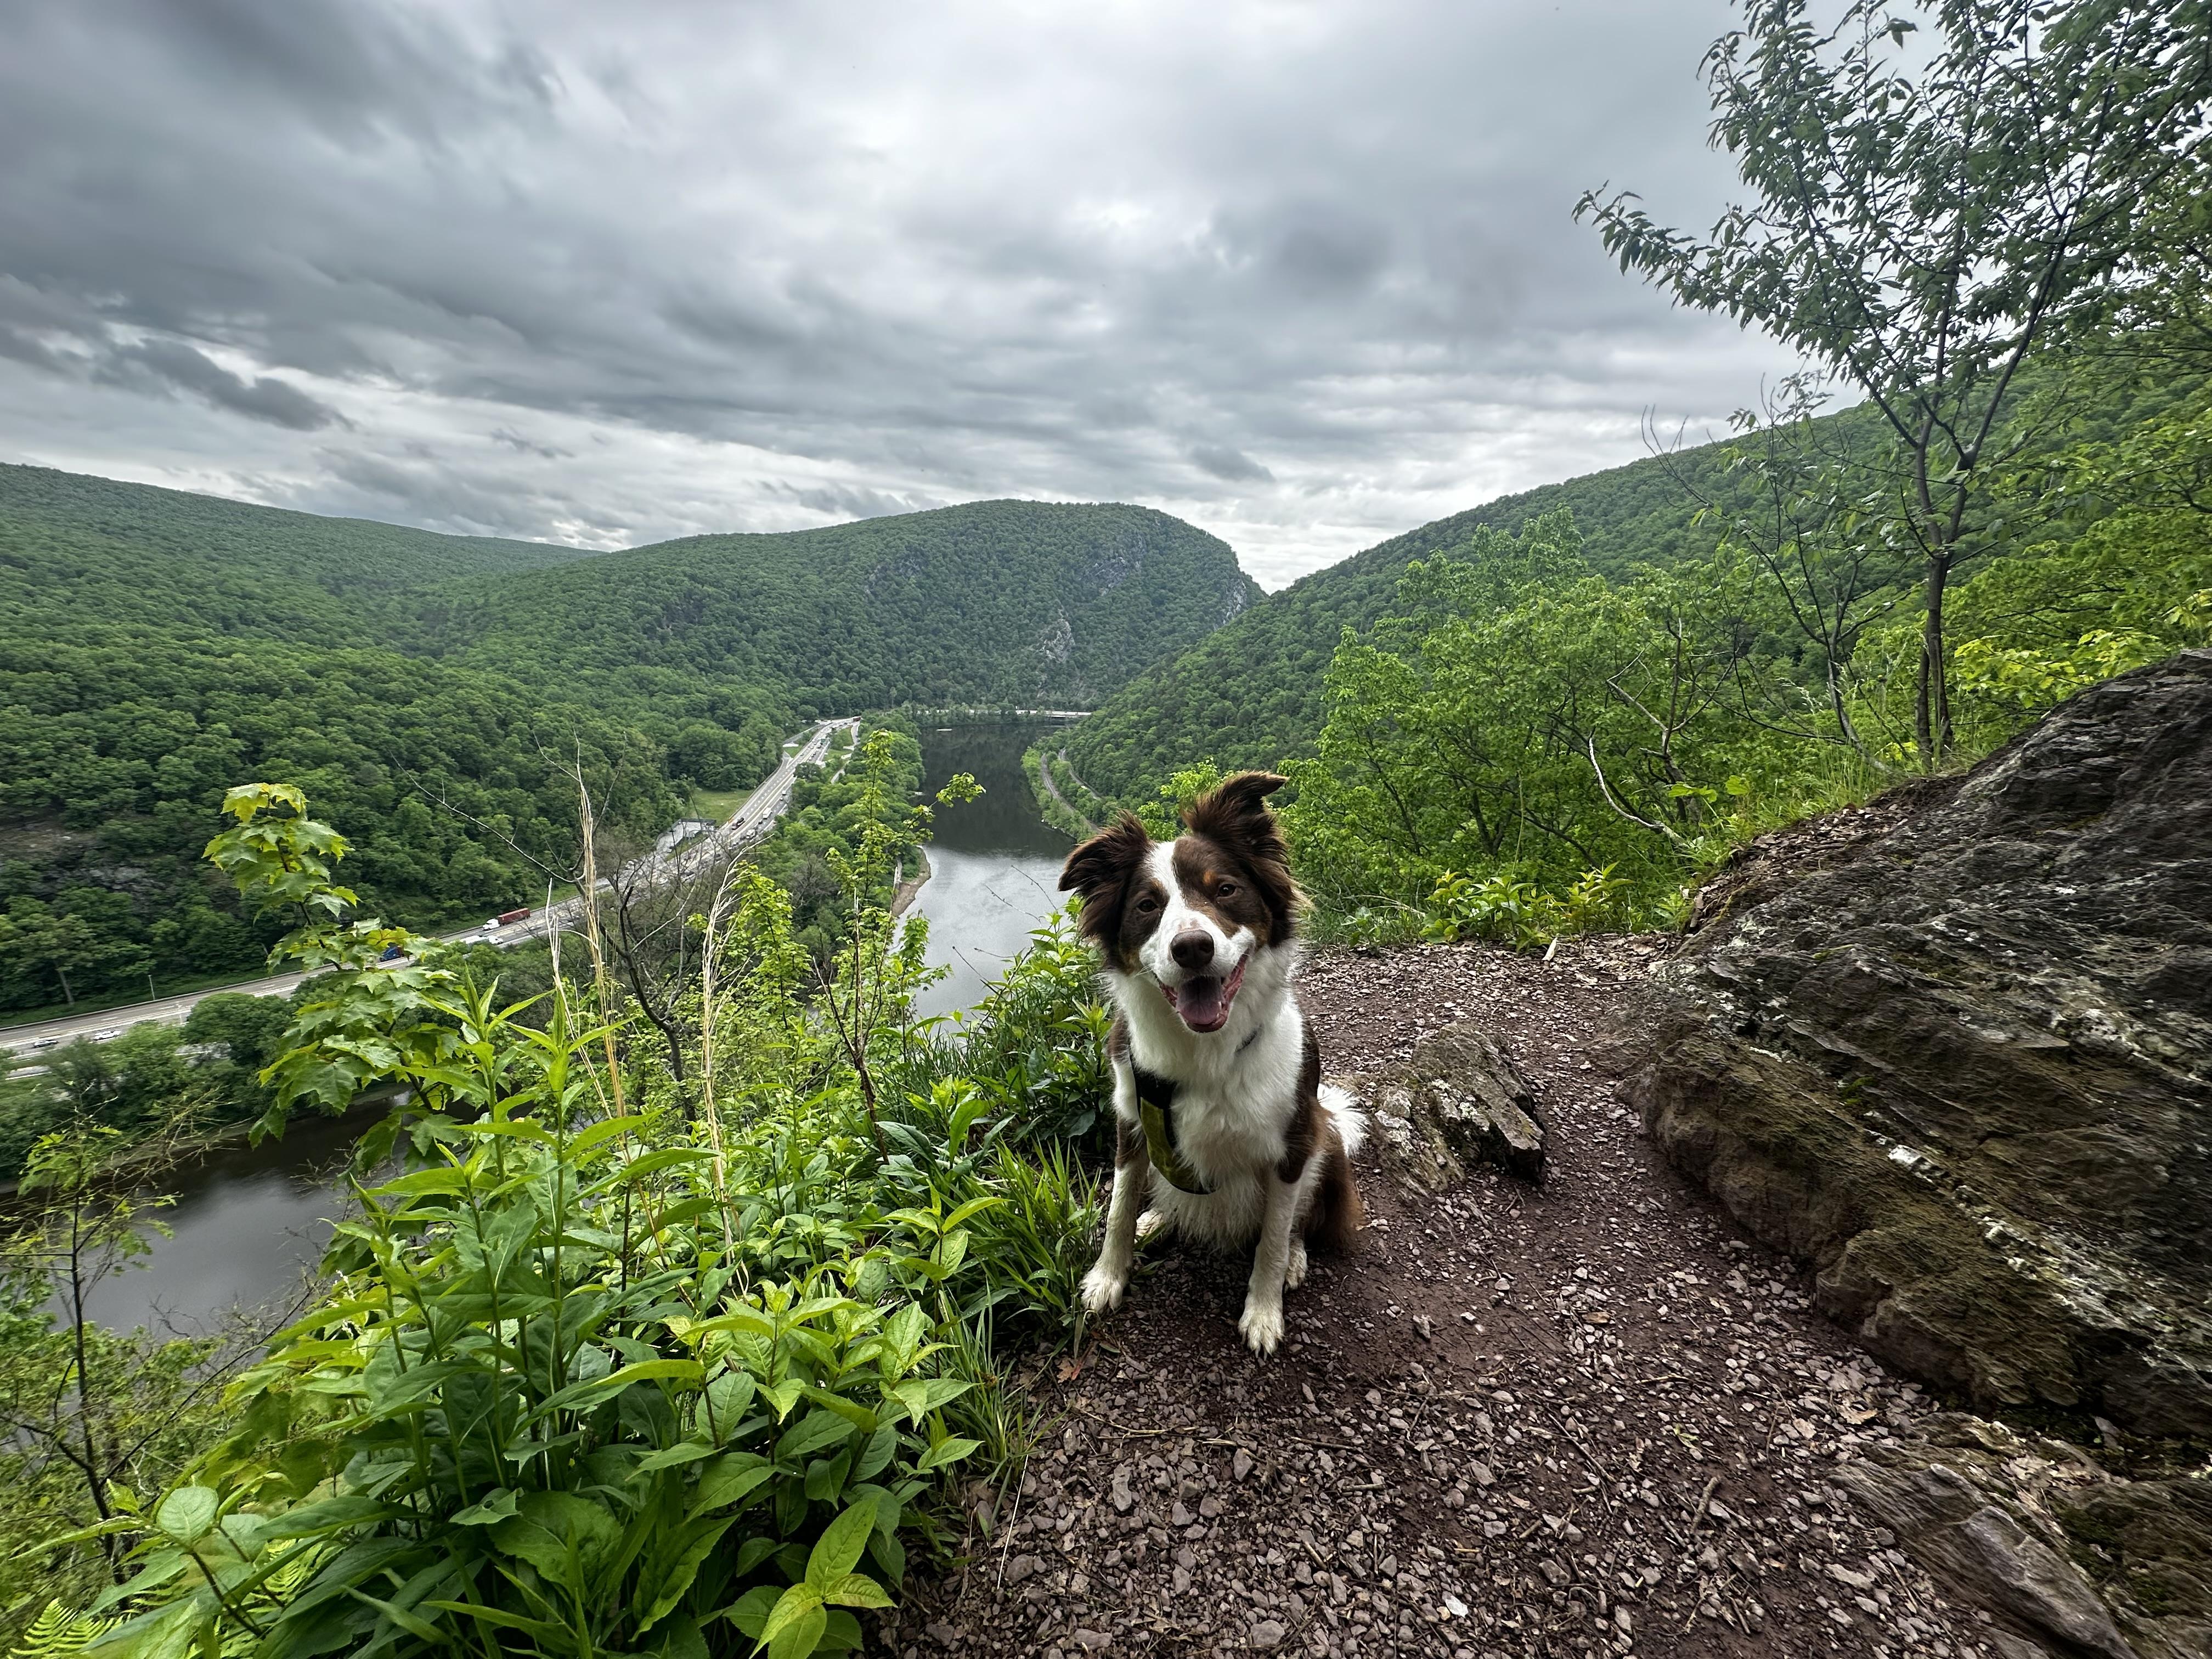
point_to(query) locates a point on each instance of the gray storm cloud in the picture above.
(1304, 273)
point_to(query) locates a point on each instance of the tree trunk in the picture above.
(62, 973)
(1931, 723)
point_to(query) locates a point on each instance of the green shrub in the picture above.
(603, 1374)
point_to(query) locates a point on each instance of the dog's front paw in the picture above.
(1262, 1328)
(1103, 1288)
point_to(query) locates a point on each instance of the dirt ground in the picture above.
(1587, 1418)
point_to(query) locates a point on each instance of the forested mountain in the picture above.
(995, 602)
(157, 647)
(1251, 694)
(76, 550)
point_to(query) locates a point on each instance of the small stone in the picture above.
(1023, 1567)
(1241, 1465)
(1480, 1472)
(1094, 1640)
(1267, 1633)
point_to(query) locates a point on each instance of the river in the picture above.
(250, 1223)
(994, 863)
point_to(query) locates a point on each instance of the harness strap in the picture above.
(1156, 1106)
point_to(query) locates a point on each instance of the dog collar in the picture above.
(1156, 1106)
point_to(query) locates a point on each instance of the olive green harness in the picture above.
(1156, 1106)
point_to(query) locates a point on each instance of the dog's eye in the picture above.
(1147, 904)
(1225, 889)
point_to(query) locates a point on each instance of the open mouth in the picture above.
(1204, 1002)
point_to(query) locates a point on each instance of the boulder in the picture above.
(1460, 1102)
(2067, 1557)
(1962, 1064)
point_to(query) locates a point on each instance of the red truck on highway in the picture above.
(508, 918)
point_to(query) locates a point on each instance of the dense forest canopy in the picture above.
(1011, 602)
(440, 691)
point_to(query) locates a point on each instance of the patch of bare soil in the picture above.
(1584, 1420)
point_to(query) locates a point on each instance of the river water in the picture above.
(994, 863)
(250, 1223)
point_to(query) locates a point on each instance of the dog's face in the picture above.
(1188, 913)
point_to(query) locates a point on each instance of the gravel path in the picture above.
(1587, 1419)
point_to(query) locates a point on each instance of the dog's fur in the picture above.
(1197, 936)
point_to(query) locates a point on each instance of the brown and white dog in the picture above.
(1223, 1123)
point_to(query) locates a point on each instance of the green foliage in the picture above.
(1067, 805)
(137, 1085)
(1926, 213)
(114, 747)
(436, 692)
(600, 1375)
(57, 1629)
(851, 813)
(89, 1417)
(1250, 694)
(1516, 713)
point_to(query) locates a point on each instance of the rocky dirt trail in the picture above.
(1587, 1418)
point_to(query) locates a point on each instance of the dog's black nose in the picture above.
(1192, 950)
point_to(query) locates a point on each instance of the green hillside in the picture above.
(1250, 694)
(76, 551)
(157, 647)
(995, 602)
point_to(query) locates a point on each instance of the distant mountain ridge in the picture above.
(1002, 601)
(157, 647)
(70, 542)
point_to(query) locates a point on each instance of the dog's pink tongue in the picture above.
(1201, 1004)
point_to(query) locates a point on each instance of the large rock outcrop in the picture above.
(1965, 1065)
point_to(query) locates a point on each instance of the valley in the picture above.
(1644, 788)
(249, 1226)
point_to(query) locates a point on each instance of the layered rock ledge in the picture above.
(1963, 1066)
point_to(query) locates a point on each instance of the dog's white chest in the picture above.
(1230, 1118)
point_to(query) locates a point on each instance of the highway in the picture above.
(746, 827)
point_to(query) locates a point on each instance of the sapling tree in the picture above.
(1928, 209)
(91, 1417)
(879, 965)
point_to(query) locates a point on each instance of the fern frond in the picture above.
(59, 1628)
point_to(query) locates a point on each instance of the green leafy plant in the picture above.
(596, 1377)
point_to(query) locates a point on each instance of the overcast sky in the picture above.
(1303, 274)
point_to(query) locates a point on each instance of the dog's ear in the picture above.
(1234, 812)
(1099, 870)
(1233, 816)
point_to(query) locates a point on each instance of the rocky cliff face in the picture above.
(1964, 1065)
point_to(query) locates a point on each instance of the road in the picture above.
(748, 825)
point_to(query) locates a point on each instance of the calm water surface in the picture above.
(250, 1223)
(994, 863)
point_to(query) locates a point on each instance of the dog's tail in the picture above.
(1344, 1112)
